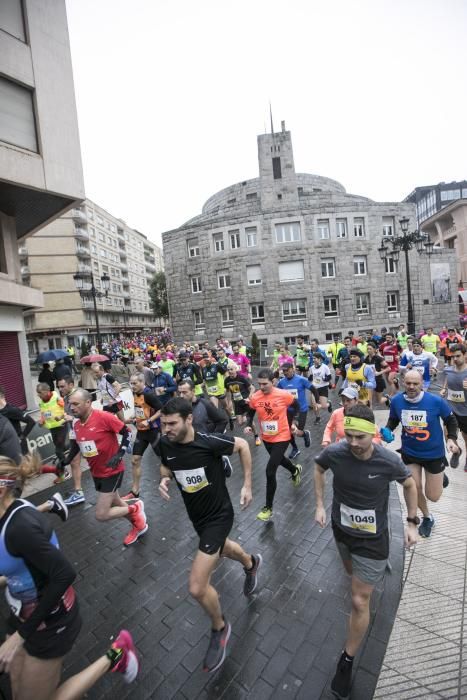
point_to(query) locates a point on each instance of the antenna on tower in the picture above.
(270, 115)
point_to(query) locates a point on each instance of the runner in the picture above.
(449, 341)
(335, 424)
(45, 620)
(52, 417)
(423, 440)
(421, 361)
(16, 417)
(189, 370)
(146, 415)
(402, 337)
(362, 472)
(455, 390)
(195, 460)
(271, 404)
(109, 391)
(359, 376)
(96, 437)
(66, 387)
(140, 368)
(213, 379)
(380, 368)
(274, 366)
(333, 351)
(430, 341)
(296, 385)
(164, 385)
(242, 361)
(343, 359)
(240, 389)
(320, 377)
(390, 350)
(302, 356)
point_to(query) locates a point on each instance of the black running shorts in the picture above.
(323, 391)
(58, 637)
(433, 466)
(462, 422)
(213, 534)
(143, 439)
(109, 484)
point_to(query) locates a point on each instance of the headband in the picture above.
(6, 481)
(360, 424)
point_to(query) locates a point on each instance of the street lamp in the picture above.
(84, 282)
(406, 242)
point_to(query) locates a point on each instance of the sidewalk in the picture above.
(427, 653)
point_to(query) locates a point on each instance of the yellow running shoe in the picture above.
(264, 514)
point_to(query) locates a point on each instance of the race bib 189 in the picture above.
(192, 480)
(413, 419)
(364, 520)
(270, 427)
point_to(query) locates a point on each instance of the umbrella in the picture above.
(50, 355)
(94, 358)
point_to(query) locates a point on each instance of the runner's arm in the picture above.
(319, 481)
(241, 446)
(370, 377)
(171, 386)
(452, 426)
(217, 416)
(250, 415)
(328, 431)
(72, 452)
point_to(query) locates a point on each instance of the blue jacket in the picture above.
(168, 383)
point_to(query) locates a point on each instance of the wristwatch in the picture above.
(415, 520)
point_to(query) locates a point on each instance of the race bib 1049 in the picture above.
(364, 520)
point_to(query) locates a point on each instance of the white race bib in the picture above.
(72, 434)
(213, 389)
(14, 603)
(389, 358)
(237, 396)
(192, 480)
(419, 368)
(456, 396)
(364, 520)
(413, 419)
(316, 380)
(139, 413)
(88, 448)
(269, 427)
(47, 415)
(293, 392)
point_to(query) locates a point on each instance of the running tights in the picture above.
(276, 458)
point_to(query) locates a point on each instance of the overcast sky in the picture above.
(171, 96)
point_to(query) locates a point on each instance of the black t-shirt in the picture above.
(199, 473)
(238, 386)
(9, 441)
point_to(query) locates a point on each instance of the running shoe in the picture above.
(127, 664)
(294, 452)
(317, 420)
(340, 684)
(134, 534)
(455, 459)
(74, 498)
(329, 407)
(297, 477)
(130, 496)
(427, 526)
(138, 516)
(445, 481)
(58, 506)
(228, 469)
(307, 438)
(257, 441)
(63, 477)
(251, 575)
(264, 514)
(215, 654)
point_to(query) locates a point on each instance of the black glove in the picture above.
(116, 459)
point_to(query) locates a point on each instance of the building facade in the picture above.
(40, 161)
(289, 253)
(447, 228)
(432, 198)
(88, 239)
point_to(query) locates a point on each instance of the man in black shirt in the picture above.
(16, 416)
(195, 461)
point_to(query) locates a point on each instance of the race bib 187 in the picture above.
(413, 419)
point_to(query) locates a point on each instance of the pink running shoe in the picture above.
(128, 664)
(138, 517)
(134, 534)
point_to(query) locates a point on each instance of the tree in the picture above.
(158, 296)
(255, 345)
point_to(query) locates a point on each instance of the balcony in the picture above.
(126, 295)
(85, 269)
(25, 271)
(23, 251)
(120, 232)
(125, 282)
(123, 266)
(122, 252)
(81, 233)
(82, 251)
(150, 266)
(87, 303)
(79, 216)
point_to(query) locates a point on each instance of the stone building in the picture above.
(40, 160)
(447, 228)
(289, 253)
(88, 239)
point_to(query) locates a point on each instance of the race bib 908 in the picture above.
(192, 480)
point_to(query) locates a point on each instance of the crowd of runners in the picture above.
(188, 402)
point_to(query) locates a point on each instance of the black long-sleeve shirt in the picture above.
(16, 416)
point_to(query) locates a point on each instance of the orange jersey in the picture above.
(272, 413)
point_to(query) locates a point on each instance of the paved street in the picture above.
(285, 641)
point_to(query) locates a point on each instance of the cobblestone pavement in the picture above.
(285, 640)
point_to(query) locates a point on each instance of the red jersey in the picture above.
(272, 413)
(97, 441)
(390, 352)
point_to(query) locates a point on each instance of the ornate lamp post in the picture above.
(406, 242)
(84, 282)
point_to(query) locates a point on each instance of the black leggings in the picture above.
(276, 458)
(59, 437)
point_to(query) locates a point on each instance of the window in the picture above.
(257, 313)
(388, 226)
(359, 227)
(93, 249)
(101, 238)
(103, 252)
(105, 268)
(287, 233)
(362, 304)
(251, 236)
(253, 274)
(11, 21)
(17, 121)
(193, 248)
(95, 264)
(90, 214)
(294, 310)
(323, 229)
(331, 306)
(392, 301)
(341, 228)
(252, 195)
(100, 220)
(223, 279)
(276, 168)
(196, 284)
(390, 265)
(109, 241)
(227, 316)
(112, 228)
(291, 271)
(198, 319)
(359, 265)
(446, 195)
(218, 239)
(328, 267)
(234, 239)
(91, 231)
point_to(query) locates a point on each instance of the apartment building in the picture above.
(89, 240)
(40, 161)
